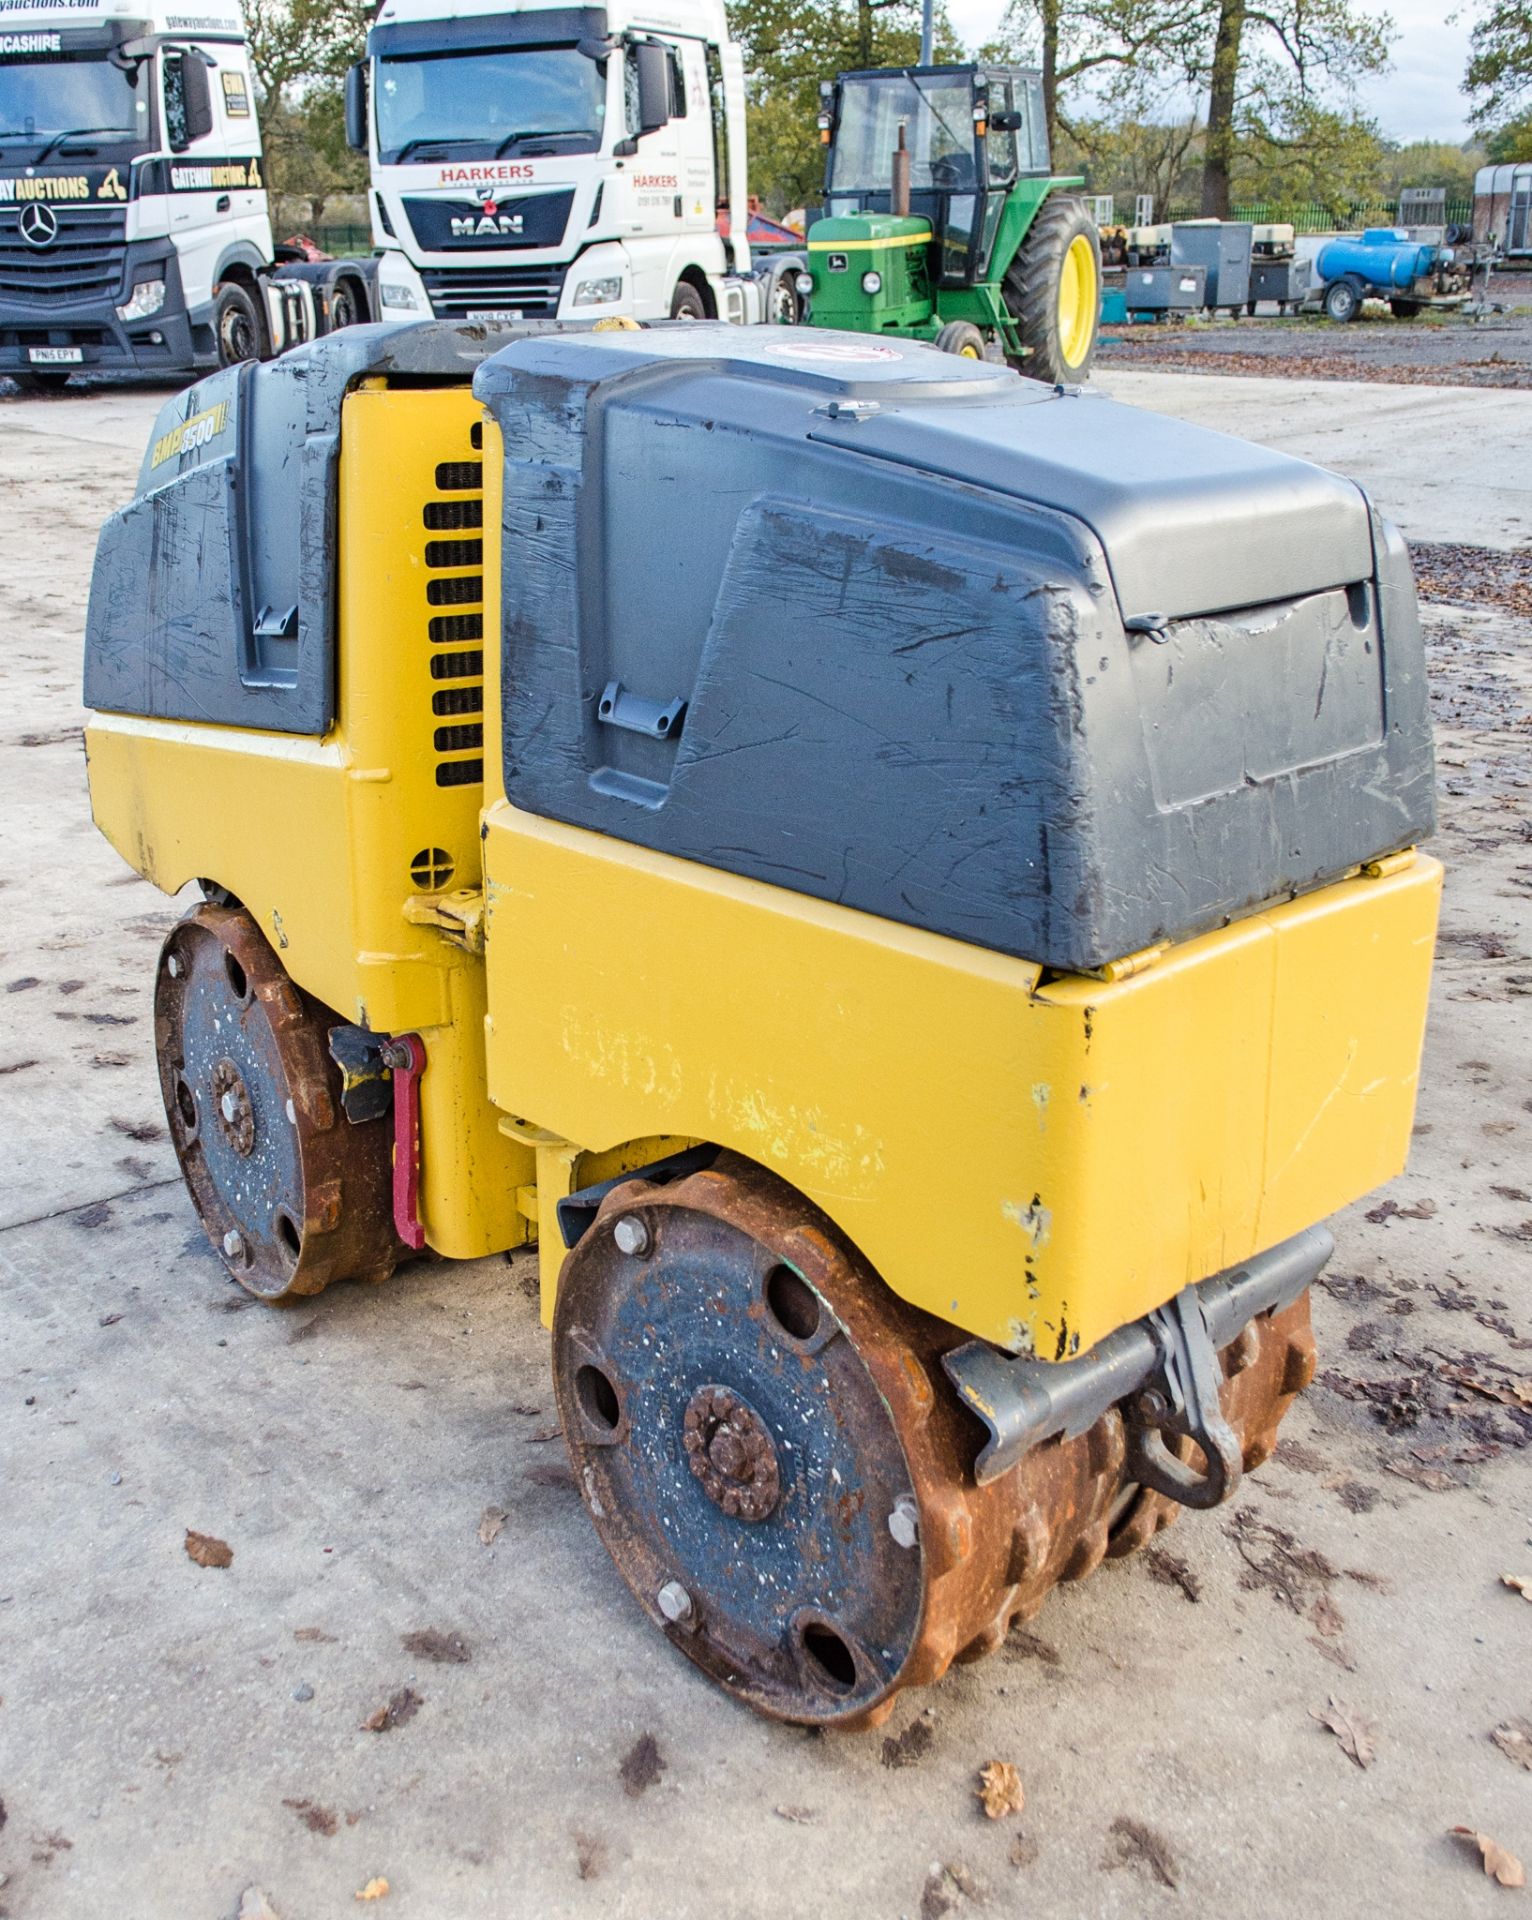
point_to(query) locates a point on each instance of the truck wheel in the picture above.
(686, 303)
(290, 1192)
(348, 307)
(963, 338)
(1405, 309)
(236, 325)
(1342, 301)
(1053, 291)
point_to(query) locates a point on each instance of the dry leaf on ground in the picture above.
(642, 1766)
(1000, 1790)
(1518, 1583)
(799, 1816)
(374, 1890)
(429, 1643)
(208, 1550)
(1327, 1617)
(1142, 1846)
(314, 1634)
(1498, 1864)
(1514, 1739)
(1354, 1733)
(401, 1706)
(905, 1749)
(490, 1522)
(253, 1905)
(316, 1818)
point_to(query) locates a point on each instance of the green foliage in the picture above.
(1500, 62)
(789, 47)
(1510, 142)
(1127, 156)
(1301, 151)
(306, 152)
(1432, 163)
(293, 42)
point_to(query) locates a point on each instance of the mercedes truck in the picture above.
(134, 229)
(545, 161)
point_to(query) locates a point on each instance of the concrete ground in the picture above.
(174, 1736)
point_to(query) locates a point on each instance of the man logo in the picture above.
(39, 224)
(471, 227)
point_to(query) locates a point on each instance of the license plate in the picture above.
(493, 313)
(56, 356)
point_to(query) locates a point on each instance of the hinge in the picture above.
(457, 916)
(1389, 863)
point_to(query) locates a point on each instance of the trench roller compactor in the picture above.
(900, 880)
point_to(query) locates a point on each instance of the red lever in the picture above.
(407, 1058)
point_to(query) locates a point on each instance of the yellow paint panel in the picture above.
(1037, 1164)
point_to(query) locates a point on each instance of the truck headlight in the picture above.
(804, 282)
(598, 293)
(872, 282)
(146, 298)
(393, 295)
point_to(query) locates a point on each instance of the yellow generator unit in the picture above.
(901, 881)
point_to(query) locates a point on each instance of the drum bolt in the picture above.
(904, 1522)
(675, 1602)
(227, 1108)
(233, 1242)
(173, 965)
(632, 1238)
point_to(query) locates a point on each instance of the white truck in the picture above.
(547, 161)
(134, 231)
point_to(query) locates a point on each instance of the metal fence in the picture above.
(1311, 217)
(343, 240)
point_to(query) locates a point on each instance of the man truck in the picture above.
(134, 229)
(548, 161)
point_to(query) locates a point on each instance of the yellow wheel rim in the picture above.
(970, 352)
(1079, 301)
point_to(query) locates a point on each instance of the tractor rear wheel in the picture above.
(1053, 291)
(767, 1443)
(290, 1192)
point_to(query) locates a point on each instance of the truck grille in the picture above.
(455, 624)
(532, 291)
(83, 263)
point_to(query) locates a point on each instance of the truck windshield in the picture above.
(936, 113)
(84, 96)
(488, 103)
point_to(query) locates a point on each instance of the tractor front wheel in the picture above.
(1053, 291)
(963, 338)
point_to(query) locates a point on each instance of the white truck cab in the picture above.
(541, 161)
(130, 183)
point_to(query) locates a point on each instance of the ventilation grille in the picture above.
(456, 568)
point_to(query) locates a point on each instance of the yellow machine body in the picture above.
(1036, 1159)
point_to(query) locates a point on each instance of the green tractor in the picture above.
(942, 221)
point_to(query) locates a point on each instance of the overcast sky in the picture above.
(1418, 99)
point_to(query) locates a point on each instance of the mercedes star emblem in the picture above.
(39, 224)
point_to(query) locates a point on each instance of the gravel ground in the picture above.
(1449, 350)
(1281, 1709)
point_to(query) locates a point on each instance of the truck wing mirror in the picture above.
(651, 63)
(188, 98)
(1006, 122)
(356, 106)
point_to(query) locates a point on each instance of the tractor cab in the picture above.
(942, 221)
(971, 133)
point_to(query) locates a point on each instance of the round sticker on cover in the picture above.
(839, 350)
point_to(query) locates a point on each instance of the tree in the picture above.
(1510, 142)
(296, 41)
(1336, 160)
(1072, 41)
(1432, 163)
(1500, 61)
(1265, 70)
(307, 157)
(1124, 155)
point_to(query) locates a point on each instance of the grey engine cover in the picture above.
(885, 600)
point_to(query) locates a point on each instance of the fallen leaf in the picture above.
(799, 1816)
(313, 1634)
(1023, 1851)
(446, 1649)
(402, 1706)
(490, 1522)
(1138, 1845)
(1349, 1727)
(1498, 1864)
(1519, 1583)
(907, 1748)
(1000, 1790)
(936, 1898)
(590, 1855)
(967, 1883)
(642, 1766)
(207, 1550)
(540, 1436)
(1514, 1739)
(316, 1818)
(253, 1905)
(374, 1889)
(1327, 1617)
(1170, 1570)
